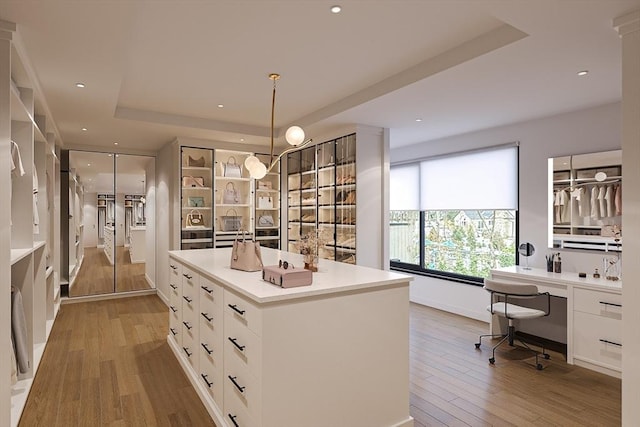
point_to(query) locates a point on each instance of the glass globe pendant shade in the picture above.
(250, 161)
(258, 171)
(294, 135)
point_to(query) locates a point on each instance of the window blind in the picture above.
(404, 187)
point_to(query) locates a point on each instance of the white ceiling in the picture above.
(155, 70)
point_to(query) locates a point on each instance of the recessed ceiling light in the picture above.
(80, 85)
(84, 129)
(583, 73)
(220, 106)
(110, 154)
(115, 143)
(418, 120)
(241, 139)
(88, 164)
(336, 9)
(117, 155)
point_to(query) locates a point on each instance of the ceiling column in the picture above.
(628, 27)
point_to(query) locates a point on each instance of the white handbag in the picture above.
(265, 202)
(231, 195)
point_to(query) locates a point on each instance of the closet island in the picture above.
(333, 353)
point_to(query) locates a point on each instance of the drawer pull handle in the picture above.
(238, 346)
(209, 319)
(236, 309)
(187, 299)
(188, 276)
(233, 419)
(206, 348)
(238, 386)
(611, 342)
(207, 290)
(175, 310)
(206, 381)
(173, 331)
(174, 287)
(187, 325)
(186, 350)
(173, 266)
(610, 303)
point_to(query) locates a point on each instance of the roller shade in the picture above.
(404, 187)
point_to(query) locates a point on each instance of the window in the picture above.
(455, 217)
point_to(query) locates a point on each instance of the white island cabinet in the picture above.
(335, 353)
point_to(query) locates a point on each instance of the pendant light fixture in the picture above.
(294, 136)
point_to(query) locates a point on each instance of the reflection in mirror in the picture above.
(135, 236)
(585, 201)
(91, 221)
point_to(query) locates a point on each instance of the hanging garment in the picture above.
(14, 368)
(595, 205)
(101, 221)
(562, 210)
(582, 200)
(36, 216)
(608, 197)
(602, 190)
(19, 330)
(618, 199)
(16, 160)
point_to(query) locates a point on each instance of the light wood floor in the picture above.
(453, 384)
(108, 363)
(96, 274)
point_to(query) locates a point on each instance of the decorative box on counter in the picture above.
(287, 277)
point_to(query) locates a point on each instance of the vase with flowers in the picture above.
(309, 246)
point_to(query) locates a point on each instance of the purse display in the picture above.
(231, 222)
(265, 185)
(289, 277)
(195, 202)
(195, 162)
(265, 202)
(192, 181)
(195, 219)
(245, 254)
(231, 169)
(265, 220)
(231, 195)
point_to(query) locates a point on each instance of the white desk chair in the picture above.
(503, 296)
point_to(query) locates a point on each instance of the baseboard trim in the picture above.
(482, 316)
(101, 297)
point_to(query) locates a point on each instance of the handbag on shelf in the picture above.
(231, 195)
(192, 181)
(245, 254)
(195, 219)
(195, 201)
(195, 162)
(231, 169)
(265, 185)
(265, 202)
(231, 222)
(265, 220)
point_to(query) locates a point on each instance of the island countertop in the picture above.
(332, 277)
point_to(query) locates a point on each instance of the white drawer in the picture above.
(175, 270)
(190, 324)
(243, 311)
(597, 339)
(175, 328)
(209, 291)
(212, 375)
(189, 349)
(212, 329)
(241, 386)
(242, 345)
(190, 281)
(235, 411)
(600, 303)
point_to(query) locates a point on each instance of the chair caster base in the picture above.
(492, 360)
(539, 367)
(477, 345)
(546, 356)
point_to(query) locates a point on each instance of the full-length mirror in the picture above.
(585, 201)
(110, 241)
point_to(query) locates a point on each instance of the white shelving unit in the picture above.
(29, 231)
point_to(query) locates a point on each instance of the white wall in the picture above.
(585, 131)
(150, 218)
(164, 205)
(90, 220)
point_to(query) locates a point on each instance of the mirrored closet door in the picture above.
(110, 245)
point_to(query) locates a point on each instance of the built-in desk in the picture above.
(594, 314)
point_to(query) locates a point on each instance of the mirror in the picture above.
(585, 201)
(526, 250)
(110, 244)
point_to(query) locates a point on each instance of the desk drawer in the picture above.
(241, 387)
(190, 281)
(211, 375)
(209, 291)
(242, 345)
(600, 303)
(243, 312)
(598, 340)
